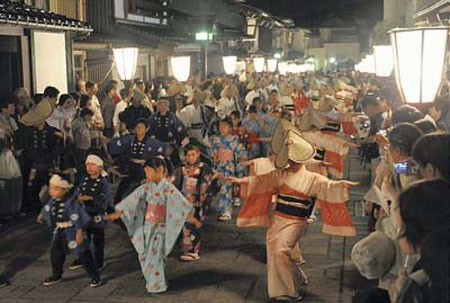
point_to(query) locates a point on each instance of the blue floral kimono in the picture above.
(75, 214)
(154, 215)
(229, 155)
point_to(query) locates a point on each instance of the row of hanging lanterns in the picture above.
(417, 55)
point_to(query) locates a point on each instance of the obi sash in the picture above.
(253, 138)
(225, 155)
(293, 206)
(155, 213)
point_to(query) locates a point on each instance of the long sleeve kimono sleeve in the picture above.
(239, 158)
(258, 194)
(332, 198)
(134, 208)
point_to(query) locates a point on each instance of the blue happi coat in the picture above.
(75, 214)
(124, 146)
(154, 215)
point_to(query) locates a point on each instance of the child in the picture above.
(154, 215)
(228, 155)
(94, 195)
(253, 128)
(194, 181)
(66, 216)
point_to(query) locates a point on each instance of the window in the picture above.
(79, 65)
(10, 65)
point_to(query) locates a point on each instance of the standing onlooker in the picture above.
(82, 139)
(135, 111)
(94, 105)
(120, 107)
(108, 108)
(440, 112)
(7, 110)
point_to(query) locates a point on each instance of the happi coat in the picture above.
(154, 215)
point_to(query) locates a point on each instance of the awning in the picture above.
(432, 9)
(20, 14)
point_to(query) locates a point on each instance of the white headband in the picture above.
(57, 181)
(94, 159)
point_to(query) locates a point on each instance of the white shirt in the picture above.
(190, 115)
(120, 107)
(226, 106)
(96, 109)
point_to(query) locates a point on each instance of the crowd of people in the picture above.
(276, 142)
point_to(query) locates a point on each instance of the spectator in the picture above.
(432, 154)
(108, 108)
(406, 113)
(22, 101)
(425, 214)
(51, 93)
(94, 105)
(135, 111)
(440, 112)
(7, 110)
(82, 139)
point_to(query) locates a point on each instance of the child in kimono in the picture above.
(228, 157)
(253, 129)
(67, 219)
(295, 188)
(154, 215)
(194, 182)
(94, 195)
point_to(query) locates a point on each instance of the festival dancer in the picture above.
(253, 128)
(295, 188)
(228, 157)
(67, 219)
(95, 196)
(194, 182)
(154, 215)
(135, 149)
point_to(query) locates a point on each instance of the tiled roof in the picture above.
(15, 13)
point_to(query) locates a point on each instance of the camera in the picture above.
(401, 167)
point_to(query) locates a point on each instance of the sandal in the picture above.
(189, 257)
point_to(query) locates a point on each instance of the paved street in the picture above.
(232, 267)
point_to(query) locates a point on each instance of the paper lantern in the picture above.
(229, 64)
(272, 65)
(126, 61)
(419, 56)
(384, 60)
(282, 68)
(259, 64)
(181, 67)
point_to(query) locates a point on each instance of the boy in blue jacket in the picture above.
(67, 219)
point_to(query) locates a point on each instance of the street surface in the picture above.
(231, 269)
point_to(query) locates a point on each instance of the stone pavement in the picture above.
(232, 267)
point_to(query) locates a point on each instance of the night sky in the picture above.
(312, 13)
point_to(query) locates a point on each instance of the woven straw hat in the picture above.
(289, 144)
(39, 113)
(175, 88)
(197, 95)
(252, 84)
(310, 119)
(231, 91)
(286, 89)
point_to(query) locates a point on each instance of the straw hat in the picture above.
(374, 255)
(289, 144)
(252, 84)
(286, 89)
(196, 95)
(231, 91)
(175, 88)
(310, 119)
(263, 82)
(39, 113)
(138, 95)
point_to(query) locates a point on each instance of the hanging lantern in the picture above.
(181, 67)
(419, 56)
(368, 64)
(282, 68)
(126, 61)
(384, 60)
(229, 64)
(272, 65)
(292, 68)
(259, 64)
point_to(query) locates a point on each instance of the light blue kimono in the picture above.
(154, 215)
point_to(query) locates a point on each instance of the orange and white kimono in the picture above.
(295, 189)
